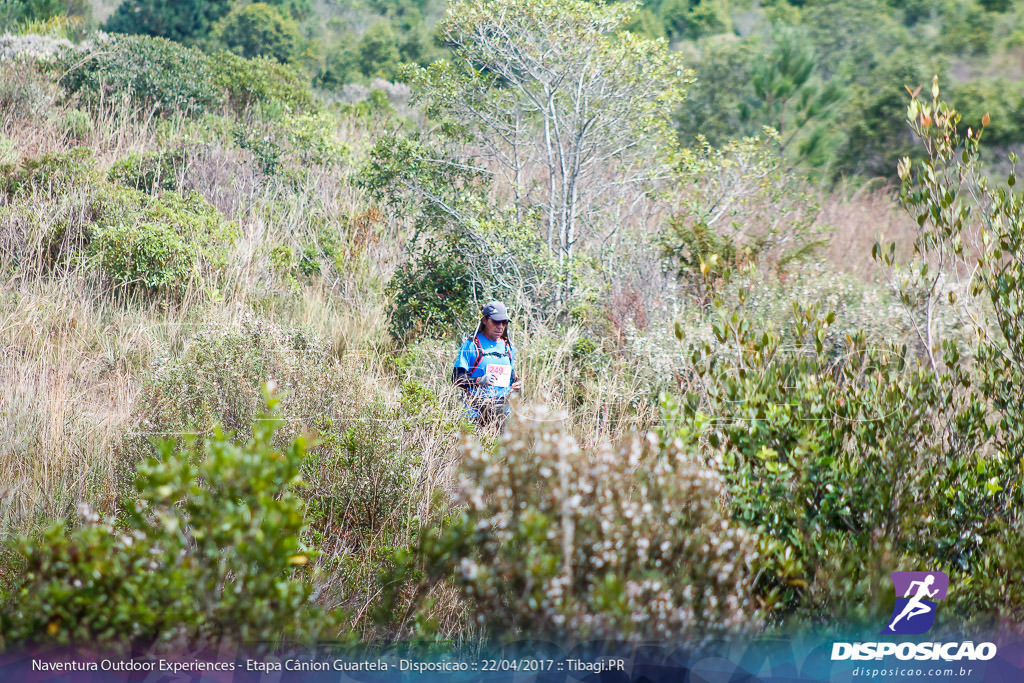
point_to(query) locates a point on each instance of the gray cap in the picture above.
(495, 311)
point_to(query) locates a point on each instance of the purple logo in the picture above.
(917, 596)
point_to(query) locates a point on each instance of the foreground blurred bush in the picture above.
(206, 557)
(625, 542)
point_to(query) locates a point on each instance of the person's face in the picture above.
(493, 329)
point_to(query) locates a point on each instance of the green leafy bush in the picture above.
(76, 124)
(359, 471)
(26, 92)
(148, 71)
(50, 175)
(15, 12)
(260, 80)
(169, 77)
(743, 207)
(173, 241)
(558, 541)
(259, 30)
(433, 293)
(181, 21)
(207, 556)
(151, 171)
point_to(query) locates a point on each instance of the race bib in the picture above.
(502, 375)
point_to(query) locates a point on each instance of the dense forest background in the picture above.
(763, 260)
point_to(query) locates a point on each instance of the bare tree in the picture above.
(570, 115)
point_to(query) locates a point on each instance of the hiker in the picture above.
(484, 368)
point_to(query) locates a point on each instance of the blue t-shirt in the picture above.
(496, 357)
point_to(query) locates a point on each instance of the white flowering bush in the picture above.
(624, 541)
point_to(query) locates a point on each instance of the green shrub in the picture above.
(208, 556)
(216, 379)
(172, 242)
(75, 124)
(433, 293)
(151, 171)
(181, 21)
(51, 175)
(14, 12)
(259, 30)
(147, 71)
(169, 77)
(260, 80)
(558, 541)
(8, 154)
(359, 473)
(831, 451)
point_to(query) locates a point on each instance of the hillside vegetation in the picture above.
(764, 270)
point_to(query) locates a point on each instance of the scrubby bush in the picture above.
(830, 447)
(171, 242)
(260, 80)
(169, 77)
(181, 21)
(258, 30)
(433, 293)
(51, 175)
(743, 208)
(217, 380)
(147, 71)
(208, 555)
(554, 540)
(25, 92)
(360, 470)
(15, 12)
(76, 124)
(151, 171)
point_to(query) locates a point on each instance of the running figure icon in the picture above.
(916, 605)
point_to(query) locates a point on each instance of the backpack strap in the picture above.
(479, 354)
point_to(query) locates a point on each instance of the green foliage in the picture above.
(297, 9)
(876, 135)
(389, 41)
(26, 91)
(259, 30)
(168, 77)
(261, 80)
(558, 541)
(742, 208)
(182, 21)
(377, 55)
(1002, 100)
(76, 124)
(830, 444)
(149, 72)
(50, 175)
(150, 171)
(217, 379)
(721, 101)
(786, 89)
(708, 17)
(962, 213)
(208, 555)
(434, 292)
(15, 12)
(172, 242)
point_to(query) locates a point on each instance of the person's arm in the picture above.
(461, 379)
(516, 383)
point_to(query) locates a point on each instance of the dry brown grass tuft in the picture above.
(858, 220)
